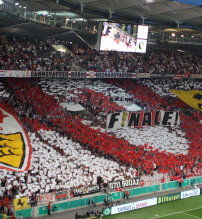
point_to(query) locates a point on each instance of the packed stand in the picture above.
(174, 139)
(189, 124)
(59, 158)
(73, 146)
(39, 55)
(29, 54)
(162, 87)
(154, 62)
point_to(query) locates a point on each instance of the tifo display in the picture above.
(141, 119)
(72, 149)
(69, 139)
(14, 142)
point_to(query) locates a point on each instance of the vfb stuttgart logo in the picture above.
(15, 147)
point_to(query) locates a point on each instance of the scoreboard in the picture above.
(123, 38)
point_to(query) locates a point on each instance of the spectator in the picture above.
(126, 194)
(49, 208)
(38, 55)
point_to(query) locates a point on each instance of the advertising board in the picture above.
(190, 193)
(133, 206)
(168, 198)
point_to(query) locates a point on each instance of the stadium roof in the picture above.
(160, 15)
(150, 11)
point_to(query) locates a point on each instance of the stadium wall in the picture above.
(78, 202)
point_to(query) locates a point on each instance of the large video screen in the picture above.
(123, 38)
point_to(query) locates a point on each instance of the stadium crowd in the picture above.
(39, 55)
(154, 62)
(68, 152)
(162, 87)
(26, 54)
(64, 147)
(47, 144)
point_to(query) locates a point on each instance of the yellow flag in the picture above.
(21, 203)
(192, 97)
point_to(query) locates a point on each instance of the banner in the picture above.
(90, 74)
(168, 198)
(192, 97)
(15, 73)
(86, 190)
(124, 183)
(143, 75)
(134, 75)
(21, 203)
(45, 198)
(62, 195)
(181, 76)
(196, 76)
(141, 119)
(190, 193)
(14, 142)
(2, 73)
(18, 74)
(130, 206)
